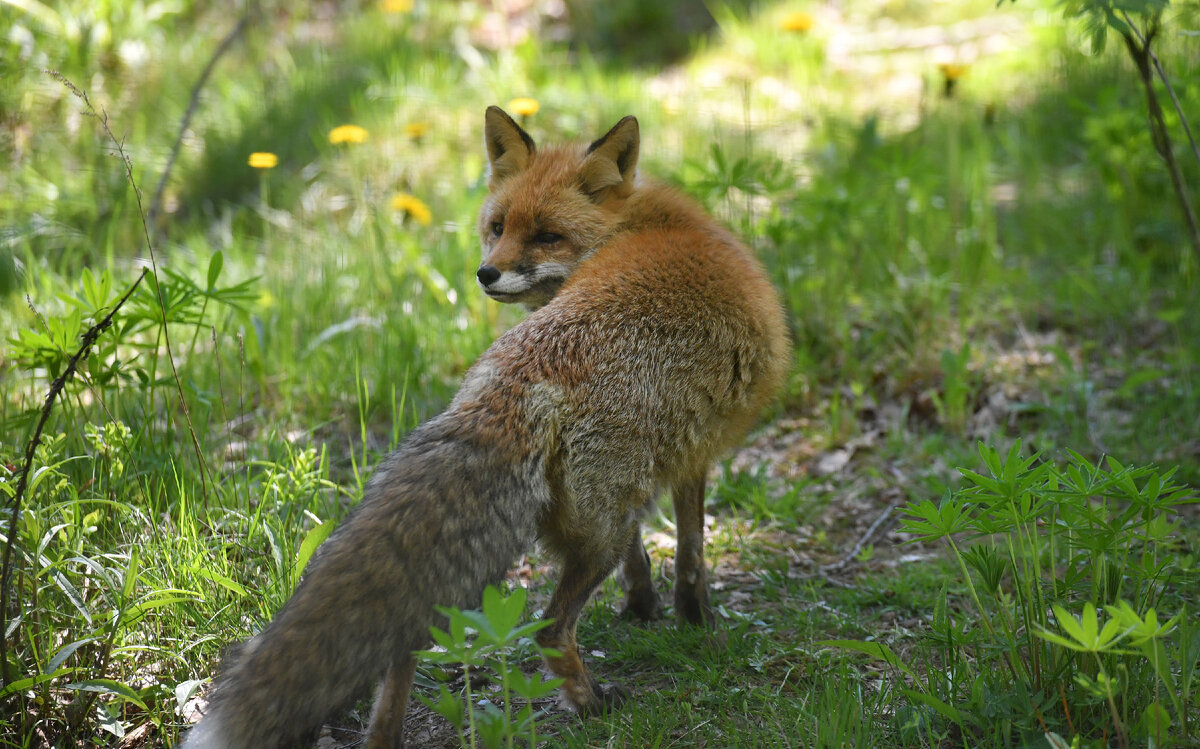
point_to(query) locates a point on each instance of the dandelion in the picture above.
(263, 160)
(347, 134)
(416, 130)
(951, 73)
(798, 22)
(524, 106)
(411, 205)
(396, 6)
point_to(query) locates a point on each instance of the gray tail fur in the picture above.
(440, 520)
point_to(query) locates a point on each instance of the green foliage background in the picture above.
(996, 258)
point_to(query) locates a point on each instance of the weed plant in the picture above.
(1040, 549)
(481, 641)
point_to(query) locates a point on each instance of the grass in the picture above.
(1005, 263)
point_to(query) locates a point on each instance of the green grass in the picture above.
(1006, 263)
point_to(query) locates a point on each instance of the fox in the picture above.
(654, 341)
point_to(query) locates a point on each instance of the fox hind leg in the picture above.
(581, 574)
(387, 719)
(641, 600)
(691, 575)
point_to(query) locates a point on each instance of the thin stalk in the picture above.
(102, 117)
(506, 693)
(222, 48)
(1140, 52)
(470, 706)
(1162, 76)
(983, 617)
(56, 387)
(1112, 703)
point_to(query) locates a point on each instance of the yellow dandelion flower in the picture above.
(416, 130)
(396, 6)
(412, 206)
(263, 160)
(952, 71)
(347, 134)
(524, 106)
(798, 22)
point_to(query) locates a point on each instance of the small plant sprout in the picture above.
(484, 639)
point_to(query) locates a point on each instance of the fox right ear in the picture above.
(509, 147)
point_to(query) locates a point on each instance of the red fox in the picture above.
(654, 343)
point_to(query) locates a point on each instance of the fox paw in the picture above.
(693, 610)
(607, 698)
(642, 604)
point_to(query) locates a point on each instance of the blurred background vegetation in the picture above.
(961, 203)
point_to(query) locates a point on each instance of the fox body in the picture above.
(654, 343)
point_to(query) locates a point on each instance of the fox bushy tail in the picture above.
(440, 520)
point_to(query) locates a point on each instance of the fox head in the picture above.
(548, 209)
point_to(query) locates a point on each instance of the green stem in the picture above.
(1112, 703)
(1140, 52)
(983, 617)
(466, 664)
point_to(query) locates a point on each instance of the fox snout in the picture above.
(530, 285)
(487, 275)
(502, 285)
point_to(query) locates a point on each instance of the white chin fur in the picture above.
(509, 283)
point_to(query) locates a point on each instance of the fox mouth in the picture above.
(501, 296)
(543, 289)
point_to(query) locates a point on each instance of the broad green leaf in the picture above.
(214, 268)
(310, 543)
(876, 650)
(108, 686)
(946, 711)
(20, 685)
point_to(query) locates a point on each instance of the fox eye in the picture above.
(547, 237)
(497, 228)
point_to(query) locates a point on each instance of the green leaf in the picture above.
(446, 705)
(22, 685)
(131, 575)
(1085, 633)
(229, 584)
(161, 599)
(310, 543)
(503, 612)
(214, 268)
(930, 522)
(534, 686)
(66, 652)
(946, 711)
(876, 650)
(108, 686)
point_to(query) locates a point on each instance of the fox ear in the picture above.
(611, 161)
(509, 148)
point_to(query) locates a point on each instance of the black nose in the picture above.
(487, 274)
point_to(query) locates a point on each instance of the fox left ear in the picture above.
(611, 161)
